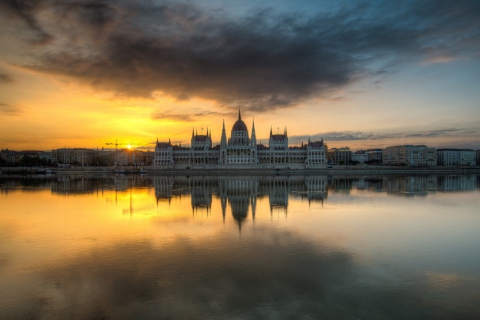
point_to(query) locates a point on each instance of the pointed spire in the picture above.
(223, 140)
(270, 131)
(169, 140)
(254, 136)
(285, 131)
(239, 115)
(193, 132)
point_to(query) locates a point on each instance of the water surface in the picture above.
(156, 247)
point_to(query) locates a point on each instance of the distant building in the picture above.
(10, 156)
(360, 156)
(339, 155)
(75, 156)
(375, 155)
(105, 158)
(410, 155)
(456, 157)
(46, 155)
(239, 151)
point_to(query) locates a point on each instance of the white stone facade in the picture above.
(456, 157)
(360, 156)
(239, 151)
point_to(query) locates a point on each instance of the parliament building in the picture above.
(240, 151)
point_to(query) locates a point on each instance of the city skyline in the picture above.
(363, 74)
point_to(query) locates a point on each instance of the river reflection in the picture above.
(266, 247)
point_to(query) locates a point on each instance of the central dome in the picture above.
(239, 125)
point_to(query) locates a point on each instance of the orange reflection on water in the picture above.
(37, 227)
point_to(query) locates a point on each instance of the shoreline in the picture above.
(343, 170)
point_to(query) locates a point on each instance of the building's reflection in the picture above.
(201, 193)
(457, 183)
(239, 194)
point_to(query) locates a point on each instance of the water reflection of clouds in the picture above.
(270, 274)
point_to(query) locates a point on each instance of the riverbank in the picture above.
(332, 170)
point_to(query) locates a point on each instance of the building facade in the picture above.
(410, 155)
(339, 155)
(239, 151)
(77, 156)
(360, 156)
(456, 157)
(375, 155)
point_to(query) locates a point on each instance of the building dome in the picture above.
(239, 125)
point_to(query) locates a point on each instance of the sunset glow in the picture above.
(75, 75)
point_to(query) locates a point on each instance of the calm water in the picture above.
(317, 247)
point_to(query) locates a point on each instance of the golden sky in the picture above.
(78, 75)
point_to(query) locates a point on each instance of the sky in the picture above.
(363, 74)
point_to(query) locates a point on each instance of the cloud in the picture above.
(261, 61)
(348, 136)
(344, 136)
(434, 133)
(26, 11)
(5, 78)
(188, 117)
(6, 108)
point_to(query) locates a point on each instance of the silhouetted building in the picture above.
(76, 156)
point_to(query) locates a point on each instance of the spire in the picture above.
(254, 136)
(239, 115)
(223, 141)
(285, 131)
(169, 140)
(270, 131)
(193, 132)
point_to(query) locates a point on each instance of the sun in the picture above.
(129, 146)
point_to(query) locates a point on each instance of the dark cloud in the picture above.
(262, 61)
(433, 133)
(5, 78)
(188, 117)
(358, 135)
(26, 11)
(344, 136)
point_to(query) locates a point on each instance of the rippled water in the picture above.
(316, 247)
